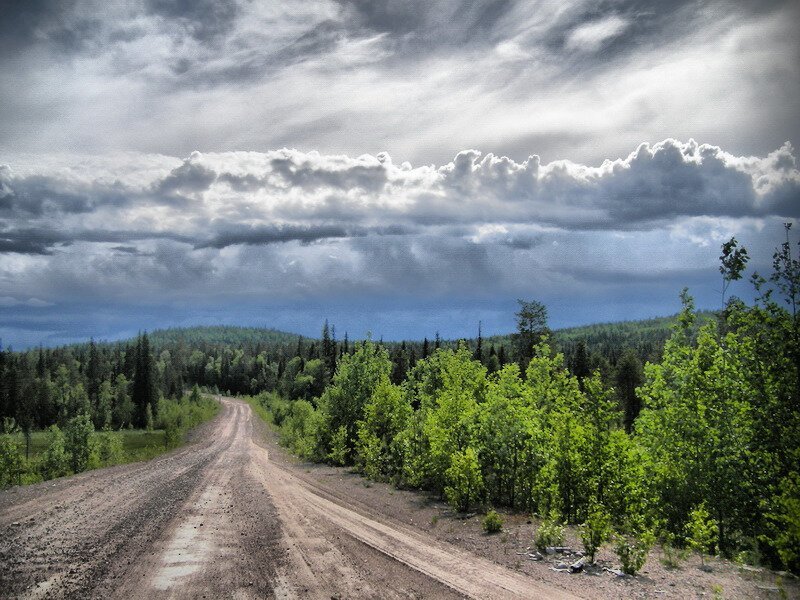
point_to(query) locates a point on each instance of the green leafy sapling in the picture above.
(595, 531)
(701, 531)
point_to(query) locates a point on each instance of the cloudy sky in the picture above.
(399, 167)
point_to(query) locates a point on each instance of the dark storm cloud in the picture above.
(38, 195)
(204, 20)
(30, 241)
(44, 240)
(24, 23)
(231, 235)
(420, 24)
(277, 234)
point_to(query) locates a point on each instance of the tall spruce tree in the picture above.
(531, 329)
(629, 376)
(144, 388)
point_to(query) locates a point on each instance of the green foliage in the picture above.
(449, 415)
(531, 328)
(701, 531)
(123, 409)
(148, 417)
(56, 460)
(549, 533)
(464, 480)
(339, 451)
(172, 434)
(784, 519)
(343, 402)
(385, 416)
(195, 396)
(78, 442)
(595, 531)
(672, 556)
(176, 417)
(492, 522)
(698, 431)
(509, 434)
(632, 551)
(11, 461)
(300, 429)
(109, 448)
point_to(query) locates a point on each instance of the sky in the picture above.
(398, 168)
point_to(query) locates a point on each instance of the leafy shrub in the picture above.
(492, 522)
(671, 555)
(172, 434)
(78, 442)
(595, 531)
(701, 531)
(11, 461)
(549, 533)
(785, 522)
(464, 479)
(339, 449)
(108, 445)
(55, 462)
(632, 551)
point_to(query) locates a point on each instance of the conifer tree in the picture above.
(144, 389)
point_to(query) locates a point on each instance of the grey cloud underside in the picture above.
(419, 79)
(410, 29)
(221, 200)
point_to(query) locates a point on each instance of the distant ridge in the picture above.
(222, 335)
(646, 336)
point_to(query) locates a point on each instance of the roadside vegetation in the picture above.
(78, 447)
(700, 449)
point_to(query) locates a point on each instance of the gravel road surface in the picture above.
(227, 516)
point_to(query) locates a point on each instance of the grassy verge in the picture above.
(54, 454)
(263, 413)
(136, 443)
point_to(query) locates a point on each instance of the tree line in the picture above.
(114, 383)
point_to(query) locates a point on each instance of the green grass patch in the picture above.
(49, 457)
(135, 442)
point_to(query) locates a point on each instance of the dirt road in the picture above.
(227, 516)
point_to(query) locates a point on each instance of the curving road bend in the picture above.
(222, 518)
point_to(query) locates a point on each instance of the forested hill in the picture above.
(223, 335)
(115, 381)
(646, 337)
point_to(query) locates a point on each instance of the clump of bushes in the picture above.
(465, 480)
(632, 551)
(595, 531)
(701, 531)
(492, 522)
(549, 533)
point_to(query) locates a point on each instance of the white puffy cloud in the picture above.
(589, 37)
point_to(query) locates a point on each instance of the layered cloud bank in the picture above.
(287, 227)
(213, 201)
